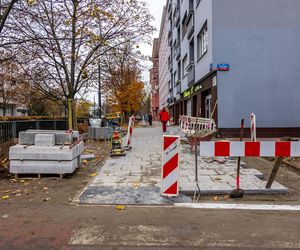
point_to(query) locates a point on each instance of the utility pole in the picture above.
(99, 90)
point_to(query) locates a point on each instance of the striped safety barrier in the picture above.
(130, 131)
(250, 149)
(253, 127)
(170, 166)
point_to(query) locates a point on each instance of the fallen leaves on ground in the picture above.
(120, 207)
(93, 174)
(5, 197)
(47, 199)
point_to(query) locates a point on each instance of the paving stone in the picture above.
(136, 178)
(19, 152)
(43, 167)
(61, 137)
(44, 140)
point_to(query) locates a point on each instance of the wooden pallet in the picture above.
(38, 176)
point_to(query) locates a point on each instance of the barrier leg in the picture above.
(275, 169)
(197, 188)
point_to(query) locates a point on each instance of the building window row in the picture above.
(202, 41)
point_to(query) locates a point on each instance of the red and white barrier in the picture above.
(130, 131)
(171, 121)
(253, 126)
(170, 166)
(250, 149)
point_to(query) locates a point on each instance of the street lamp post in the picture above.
(99, 90)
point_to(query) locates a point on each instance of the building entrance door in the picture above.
(207, 106)
(195, 105)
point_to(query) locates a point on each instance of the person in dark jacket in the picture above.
(164, 118)
(150, 119)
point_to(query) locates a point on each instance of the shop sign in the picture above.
(223, 67)
(170, 100)
(219, 67)
(191, 90)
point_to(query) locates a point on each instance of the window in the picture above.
(191, 50)
(184, 65)
(184, 25)
(202, 41)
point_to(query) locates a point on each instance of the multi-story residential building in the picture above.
(154, 80)
(229, 58)
(164, 51)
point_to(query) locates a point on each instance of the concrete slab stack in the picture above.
(99, 133)
(46, 152)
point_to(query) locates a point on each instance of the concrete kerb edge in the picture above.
(76, 198)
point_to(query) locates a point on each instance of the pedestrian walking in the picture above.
(164, 118)
(150, 119)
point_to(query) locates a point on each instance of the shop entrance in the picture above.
(195, 105)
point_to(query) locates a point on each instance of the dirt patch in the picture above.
(4, 151)
(30, 190)
(285, 176)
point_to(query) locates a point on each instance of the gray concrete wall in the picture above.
(203, 13)
(260, 40)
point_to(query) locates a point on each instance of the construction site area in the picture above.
(70, 202)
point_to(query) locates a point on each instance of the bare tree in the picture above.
(60, 43)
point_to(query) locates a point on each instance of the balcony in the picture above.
(190, 73)
(170, 9)
(177, 16)
(178, 87)
(170, 64)
(170, 38)
(177, 50)
(190, 25)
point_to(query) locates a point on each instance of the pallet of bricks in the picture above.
(46, 152)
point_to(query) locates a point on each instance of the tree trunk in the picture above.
(75, 127)
(70, 113)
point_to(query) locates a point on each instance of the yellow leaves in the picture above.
(31, 2)
(84, 74)
(93, 175)
(120, 207)
(5, 197)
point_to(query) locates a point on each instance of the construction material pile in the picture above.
(46, 152)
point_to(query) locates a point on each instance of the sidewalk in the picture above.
(133, 179)
(136, 178)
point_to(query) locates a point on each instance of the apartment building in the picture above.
(229, 58)
(154, 80)
(164, 52)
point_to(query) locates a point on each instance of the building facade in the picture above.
(154, 80)
(229, 58)
(164, 51)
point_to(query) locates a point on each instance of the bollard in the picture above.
(129, 133)
(170, 165)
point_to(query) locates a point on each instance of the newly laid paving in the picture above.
(136, 177)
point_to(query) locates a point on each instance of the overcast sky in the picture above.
(156, 8)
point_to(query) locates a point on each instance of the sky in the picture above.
(155, 8)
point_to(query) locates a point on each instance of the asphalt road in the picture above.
(93, 227)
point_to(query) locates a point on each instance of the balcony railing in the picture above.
(170, 38)
(190, 25)
(190, 73)
(170, 9)
(177, 16)
(177, 50)
(170, 64)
